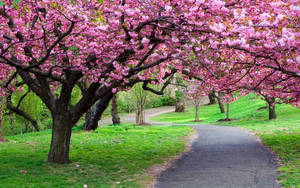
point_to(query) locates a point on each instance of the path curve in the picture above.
(223, 157)
(130, 118)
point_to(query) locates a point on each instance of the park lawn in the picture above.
(112, 156)
(281, 135)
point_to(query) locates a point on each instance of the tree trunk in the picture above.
(271, 106)
(227, 111)
(197, 119)
(212, 99)
(221, 105)
(94, 115)
(26, 127)
(140, 115)
(1, 115)
(179, 107)
(114, 111)
(61, 136)
(180, 104)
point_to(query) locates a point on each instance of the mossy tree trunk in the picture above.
(61, 136)
(271, 107)
(140, 119)
(93, 115)
(212, 99)
(197, 110)
(220, 103)
(179, 102)
(227, 111)
(114, 111)
(1, 116)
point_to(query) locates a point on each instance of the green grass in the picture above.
(281, 135)
(109, 157)
(287, 146)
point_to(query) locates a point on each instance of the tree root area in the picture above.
(220, 120)
(3, 140)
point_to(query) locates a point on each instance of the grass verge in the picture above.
(109, 157)
(281, 135)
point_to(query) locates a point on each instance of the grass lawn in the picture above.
(109, 157)
(281, 135)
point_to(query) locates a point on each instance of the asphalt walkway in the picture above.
(223, 157)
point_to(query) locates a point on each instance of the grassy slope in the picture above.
(100, 159)
(281, 135)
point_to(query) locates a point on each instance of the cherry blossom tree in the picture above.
(196, 93)
(54, 45)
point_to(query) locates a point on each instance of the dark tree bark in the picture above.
(179, 107)
(180, 104)
(227, 111)
(271, 107)
(141, 98)
(220, 103)
(1, 115)
(114, 111)
(140, 120)
(94, 115)
(212, 99)
(60, 142)
(197, 108)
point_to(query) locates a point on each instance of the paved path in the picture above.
(222, 157)
(130, 118)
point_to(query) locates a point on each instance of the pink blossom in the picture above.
(114, 90)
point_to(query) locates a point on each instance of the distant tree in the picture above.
(212, 98)
(180, 86)
(2, 98)
(271, 107)
(220, 102)
(179, 101)
(140, 99)
(271, 102)
(196, 93)
(227, 111)
(114, 110)
(197, 102)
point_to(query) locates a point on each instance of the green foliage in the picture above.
(31, 104)
(281, 135)
(245, 111)
(15, 3)
(76, 95)
(126, 103)
(178, 95)
(166, 100)
(108, 157)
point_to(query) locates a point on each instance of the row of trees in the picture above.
(24, 112)
(104, 48)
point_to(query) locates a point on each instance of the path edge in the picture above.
(155, 171)
(275, 157)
